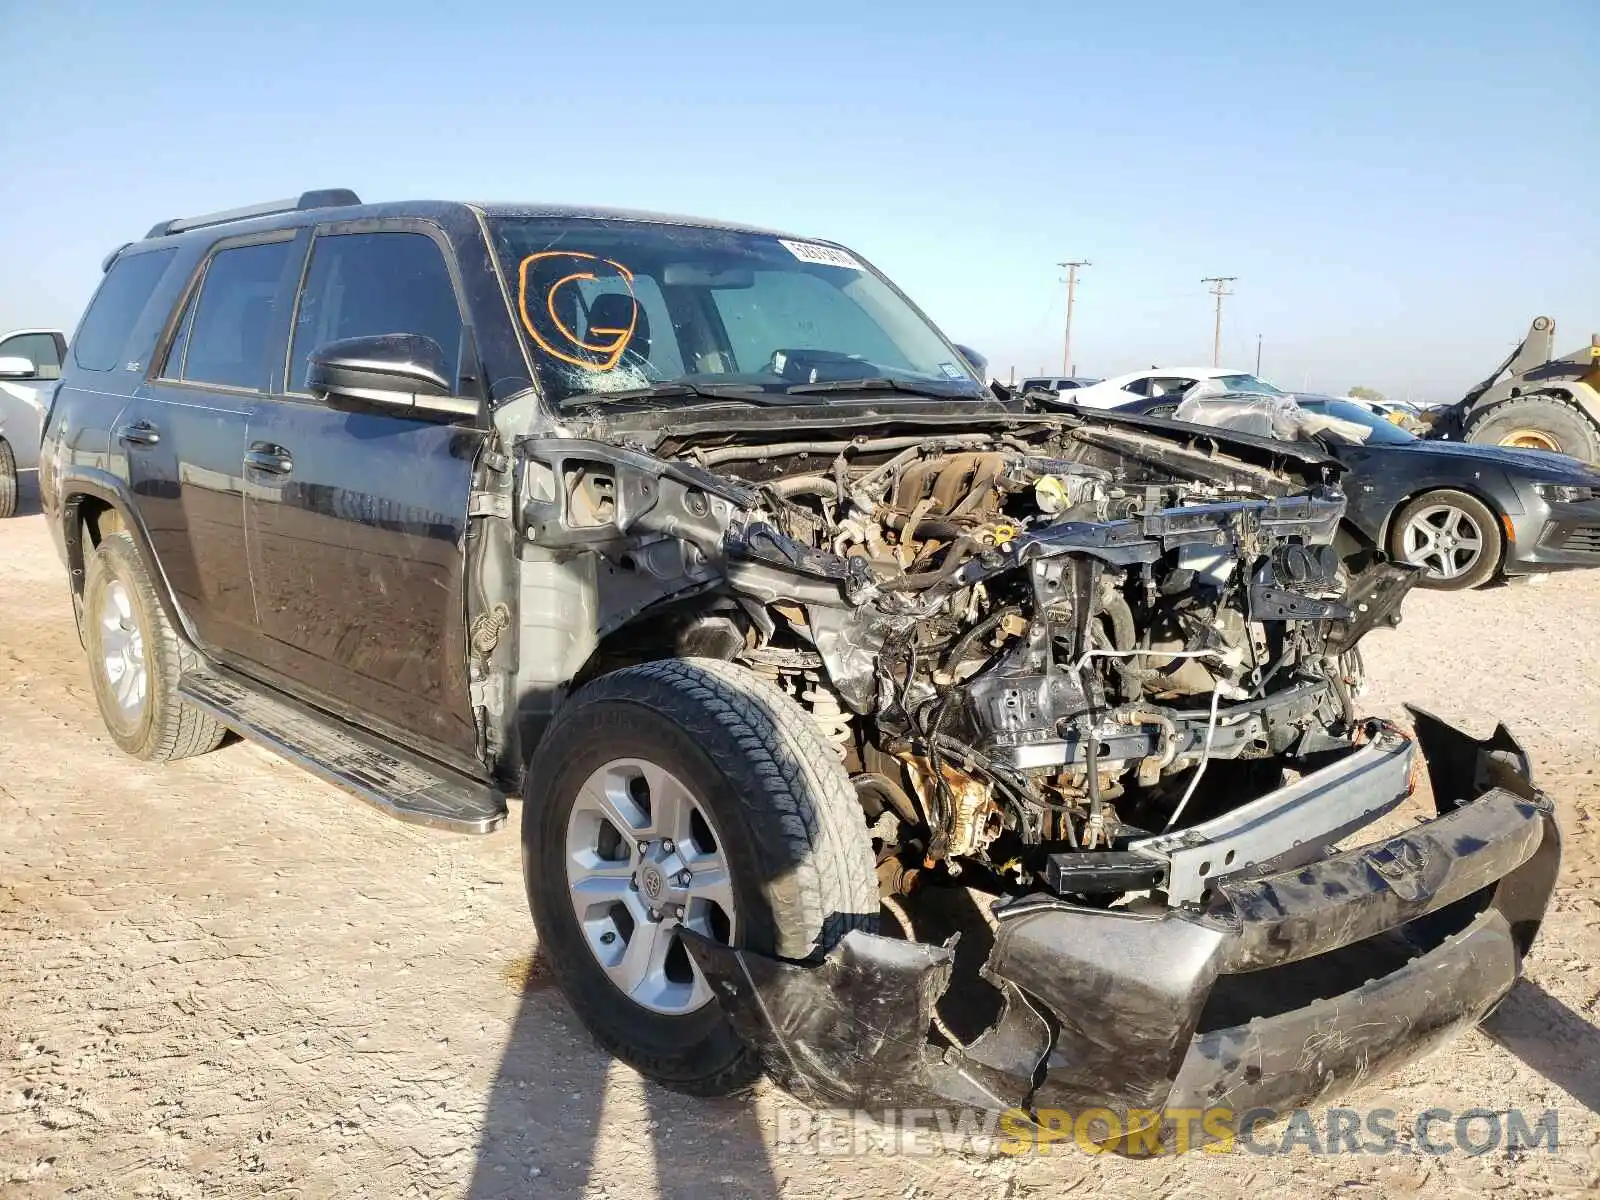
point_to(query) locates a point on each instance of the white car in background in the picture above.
(1163, 381)
(30, 365)
(1055, 383)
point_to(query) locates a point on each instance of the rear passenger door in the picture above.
(184, 431)
(357, 520)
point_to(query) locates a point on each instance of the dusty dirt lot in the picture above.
(222, 978)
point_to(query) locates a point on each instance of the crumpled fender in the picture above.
(1122, 1010)
(852, 1030)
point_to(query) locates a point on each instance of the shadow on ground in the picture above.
(1551, 1038)
(548, 1107)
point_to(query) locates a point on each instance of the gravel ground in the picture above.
(223, 978)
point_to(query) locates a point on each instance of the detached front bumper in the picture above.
(1277, 990)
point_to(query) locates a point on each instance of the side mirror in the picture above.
(14, 366)
(400, 373)
(978, 363)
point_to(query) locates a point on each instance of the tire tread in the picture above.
(177, 729)
(8, 480)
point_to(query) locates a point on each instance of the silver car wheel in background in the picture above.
(1444, 541)
(642, 860)
(122, 650)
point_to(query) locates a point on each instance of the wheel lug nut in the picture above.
(684, 878)
(633, 885)
(655, 914)
(666, 846)
(607, 938)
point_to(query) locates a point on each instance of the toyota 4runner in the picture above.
(871, 726)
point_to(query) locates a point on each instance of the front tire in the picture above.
(656, 778)
(1452, 536)
(136, 659)
(8, 480)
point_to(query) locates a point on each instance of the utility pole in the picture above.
(1072, 293)
(1258, 356)
(1219, 289)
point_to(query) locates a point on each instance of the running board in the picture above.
(388, 778)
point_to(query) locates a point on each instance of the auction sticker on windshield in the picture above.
(827, 256)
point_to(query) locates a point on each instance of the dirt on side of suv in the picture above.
(873, 727)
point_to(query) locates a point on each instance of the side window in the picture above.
(37, 348)
(116, 306)
(224, 335)
(363, 284)
(1139, 387)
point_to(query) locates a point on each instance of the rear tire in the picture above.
(772, 798)
(1452, 536)
(8, 480)
(1537, 423)
(136, 659)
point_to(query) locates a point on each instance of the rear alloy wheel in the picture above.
(686, 794)
(1452, 536)
(136, 659)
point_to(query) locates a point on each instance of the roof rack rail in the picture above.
(320, 198)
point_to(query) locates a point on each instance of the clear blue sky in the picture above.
(1399, 187)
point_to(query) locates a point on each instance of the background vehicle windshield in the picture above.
(612, 306)
(1249, 383)
(1384, 432)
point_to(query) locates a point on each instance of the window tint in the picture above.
(37, 348)
(361, 284)
(225, 336)
(116, 306)
(791, 310)
(1139, 387)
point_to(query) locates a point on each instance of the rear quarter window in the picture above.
(116, 308)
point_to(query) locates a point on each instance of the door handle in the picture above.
(264, 456)
(140, 433)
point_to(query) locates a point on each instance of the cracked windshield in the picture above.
(617, 310)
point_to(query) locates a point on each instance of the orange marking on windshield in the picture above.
(611, 352)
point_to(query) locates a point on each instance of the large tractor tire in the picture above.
(1537, 422)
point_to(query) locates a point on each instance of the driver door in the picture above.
(356, 521)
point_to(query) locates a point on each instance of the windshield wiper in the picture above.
(753, 393)
(878, 383)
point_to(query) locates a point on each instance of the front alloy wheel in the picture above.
(643, 861)
(679, 798)
(1452, 536)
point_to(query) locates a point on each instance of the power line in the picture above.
(1072, 291)
(1219, 289)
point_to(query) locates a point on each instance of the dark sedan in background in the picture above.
(1464, 513)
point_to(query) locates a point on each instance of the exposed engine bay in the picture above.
(1031, 647)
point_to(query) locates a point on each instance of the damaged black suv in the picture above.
(872, 726)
